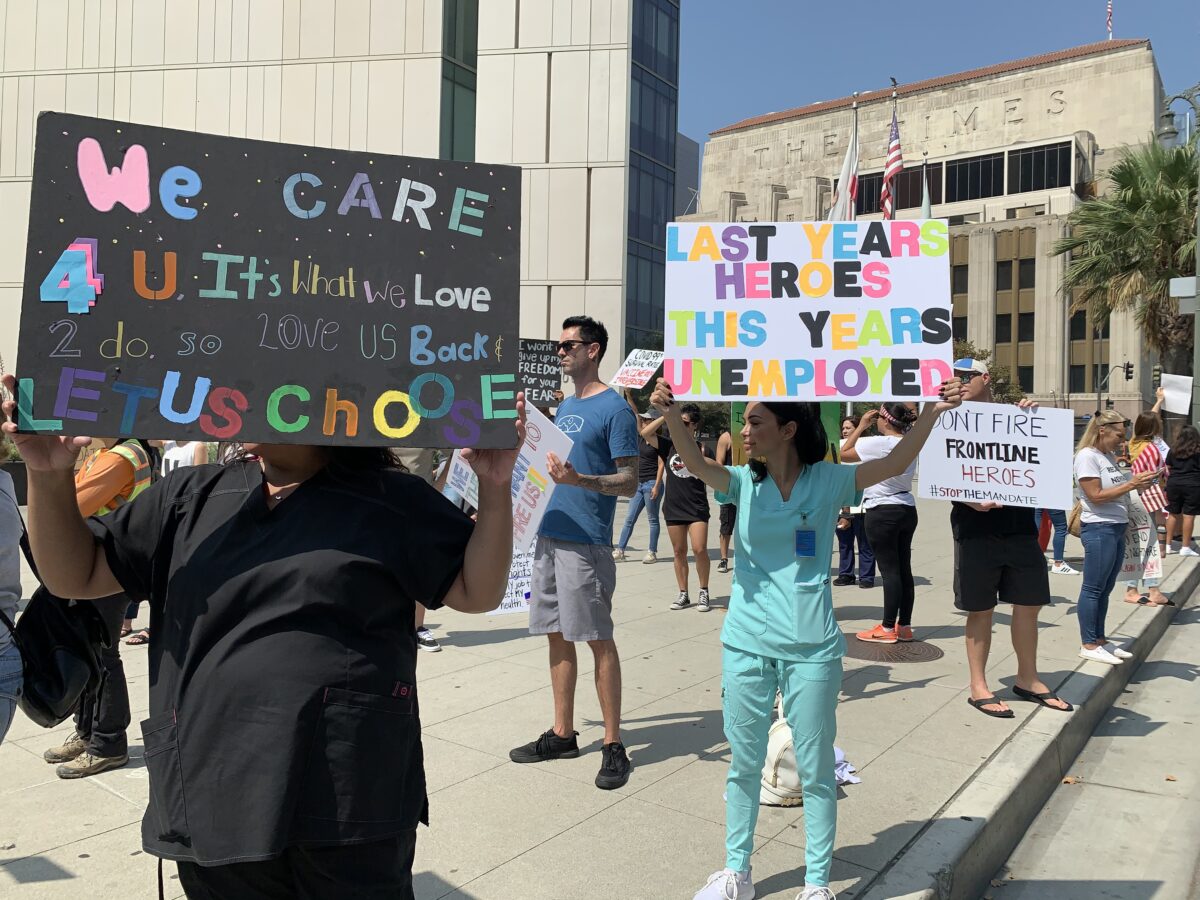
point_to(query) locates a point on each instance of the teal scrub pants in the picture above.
(810, 695)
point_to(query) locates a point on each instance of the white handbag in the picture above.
(780, 784)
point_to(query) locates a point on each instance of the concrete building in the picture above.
(1010, 150)
(581, 94)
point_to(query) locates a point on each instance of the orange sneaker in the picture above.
(878, 635)
(904, 633)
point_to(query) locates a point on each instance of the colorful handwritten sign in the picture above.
(532, 486)
(999, 453)
(637, 370)
(539, 371)
(190, 286)
(808, 310)
(1142, 556)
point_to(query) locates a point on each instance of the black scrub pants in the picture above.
(102, 718)
(380, 870)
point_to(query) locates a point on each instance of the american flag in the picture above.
(1110, 20)
(892, 168)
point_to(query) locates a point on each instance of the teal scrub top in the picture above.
(781, 605)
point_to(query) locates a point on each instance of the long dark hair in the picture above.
(1187, 443)
(811, 442)
(898, 416)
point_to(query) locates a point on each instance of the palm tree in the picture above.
(1127, 245)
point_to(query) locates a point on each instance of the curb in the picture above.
(956, 854)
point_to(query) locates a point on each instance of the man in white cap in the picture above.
(997, 559)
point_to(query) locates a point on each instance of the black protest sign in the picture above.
(540, 372)
(183, 285)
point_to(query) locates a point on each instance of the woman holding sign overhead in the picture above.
(780, 632)
(283, 741)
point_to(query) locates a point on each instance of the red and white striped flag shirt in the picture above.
(892, 168)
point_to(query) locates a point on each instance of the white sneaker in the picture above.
(650, 558)
(812, 892)
(1100, 655)
(1118, 651)
(726, 885)
(1187, 551)
(1063, 569)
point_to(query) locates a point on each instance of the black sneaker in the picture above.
(614, 771)
(842, 580)
(426, 641)
(683, 602)
(548, 746)
(866, 582)
(723, 566)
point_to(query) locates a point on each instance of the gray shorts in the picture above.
(572, 590)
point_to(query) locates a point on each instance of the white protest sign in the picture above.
(808, 311)
(531, 486)
(999, 453)
(1142, 557)
(520, 579)
(1177, 393)
(637, 370)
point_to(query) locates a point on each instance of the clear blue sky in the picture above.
(742, 58)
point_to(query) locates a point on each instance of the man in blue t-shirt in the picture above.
(574, 574)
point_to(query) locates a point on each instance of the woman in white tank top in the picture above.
(175, 454)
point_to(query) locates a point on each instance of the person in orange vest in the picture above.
(110, 477)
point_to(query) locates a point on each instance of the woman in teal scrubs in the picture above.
(780, 632)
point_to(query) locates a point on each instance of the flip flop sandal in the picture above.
(1167, 602)
(1143, 600)
(988, 701)
(142, 637)
(126, 632)
(1040, 699)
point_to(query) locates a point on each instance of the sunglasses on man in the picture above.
(568, 346)
(966, 377)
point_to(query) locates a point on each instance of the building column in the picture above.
(1050, 313)
(981, 289)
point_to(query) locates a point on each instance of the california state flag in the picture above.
(847, 186)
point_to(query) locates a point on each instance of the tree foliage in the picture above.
(1126, 245)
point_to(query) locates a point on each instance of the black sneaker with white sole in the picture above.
(704, 605)
(614, 770)
(547, 747)
(426, 641)
(683, 602)
(723, 565)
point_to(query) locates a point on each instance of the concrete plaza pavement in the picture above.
(501, 830)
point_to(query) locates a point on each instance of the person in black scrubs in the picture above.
(685, 508)
(283, 741)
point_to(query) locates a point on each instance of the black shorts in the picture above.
(686, 523)
(1183, 499)
(1006, 568)
(728, 518)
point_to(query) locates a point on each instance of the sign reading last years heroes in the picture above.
(191, 286)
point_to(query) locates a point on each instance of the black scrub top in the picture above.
(283, 666)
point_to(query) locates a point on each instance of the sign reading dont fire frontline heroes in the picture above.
(183, 285)
(808, 310)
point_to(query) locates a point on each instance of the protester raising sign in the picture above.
(540, 371)
(808, 310)
(531, 486)
(637, 370)
(185, 285)
(996, 453)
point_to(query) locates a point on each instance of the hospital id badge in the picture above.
(806, 543)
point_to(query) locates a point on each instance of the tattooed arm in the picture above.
(621, 484)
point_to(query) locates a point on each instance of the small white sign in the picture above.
(1142, 557)
(532, 485)
(999, 453)
(637, 370)
(1177, 393)
(520, 581)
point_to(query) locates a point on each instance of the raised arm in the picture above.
(848, 453)
(650, 432)
(1159, 396)
(707, 470)
(906, 451)
(69, 558)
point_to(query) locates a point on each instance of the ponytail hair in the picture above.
(810, 441)
(898, 415)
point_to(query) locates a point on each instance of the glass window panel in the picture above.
(1026, 272)
(1025, 377)
(1003, 328)
(959, 326)
(1025, 327)
(1078, 326)
(1004, 275)
(958, 278)
(1077, 382)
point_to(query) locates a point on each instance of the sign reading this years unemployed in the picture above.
(808, 310)
(184, 285)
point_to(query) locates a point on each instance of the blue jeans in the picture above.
(636, 502)
(1058, 518)
(1103, 554)
(846, 539)
(10, 686)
